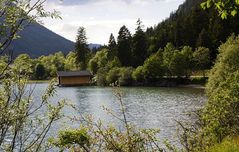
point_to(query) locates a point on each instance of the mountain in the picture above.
(94, 46)
(36, 40)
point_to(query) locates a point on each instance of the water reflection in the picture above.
(146, 107)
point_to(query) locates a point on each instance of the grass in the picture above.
(228, 145)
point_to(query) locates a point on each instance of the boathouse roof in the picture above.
(73, 73)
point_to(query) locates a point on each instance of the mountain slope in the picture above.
(36, 40)
(193, 26)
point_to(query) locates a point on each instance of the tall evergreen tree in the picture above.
(124, 46)
(139, 45)
(81, 48)
(203, 39)
(112, 46)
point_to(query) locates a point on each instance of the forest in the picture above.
(166, 63)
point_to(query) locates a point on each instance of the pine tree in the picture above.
(124, 46)
(139, 48)
(203, 39)
(112, 46)
(81, 48)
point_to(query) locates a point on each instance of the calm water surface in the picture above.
(147, 107)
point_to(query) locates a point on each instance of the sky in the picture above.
(103, 17)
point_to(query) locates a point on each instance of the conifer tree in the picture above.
(203, 39)
(139, 49)
(112, 46)
(124, 46)
(81, 48)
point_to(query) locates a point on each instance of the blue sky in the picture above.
(102, 17)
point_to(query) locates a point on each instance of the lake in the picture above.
(146, 107)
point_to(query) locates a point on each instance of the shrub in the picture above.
(113, 76)
(101, 77)
(201, 58)
(40, 72)
(153, 67)
(220, 116)
(138, 74)
(228, 145)
(126, 76)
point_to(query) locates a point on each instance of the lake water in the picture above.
(146, 107)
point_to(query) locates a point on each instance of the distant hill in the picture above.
(93, 46)
(37, 40)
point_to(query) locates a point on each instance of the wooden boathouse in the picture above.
(74, 78)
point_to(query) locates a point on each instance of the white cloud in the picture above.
(102, 17)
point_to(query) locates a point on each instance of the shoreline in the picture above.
(38, 81)
(198, 86)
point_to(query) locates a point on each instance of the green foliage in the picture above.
(153, 67)
(187, 60)
(139, 45)
(21, 117)
(81, 48)
(100, 78)
(23, 124)
(103, 66)
(70, 62)
(177, 63)
(201, 58)
(99, 63)
(125, 78)
(192, 26)
(138, 74)
(220, 116)
(124, 46)
(113, 76)
(93, 66)
(114, 63)
(99, 60)
(224, 8)
(40, 72)
(52, 63)
(227, 145)
(3, 64)
(221, 112)
(112, 46)
(69, 138)
(120, 76)
(23, 64)
(223, 92)
(175, 67)
(167, 56)
(226, 64)
(204, 39)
